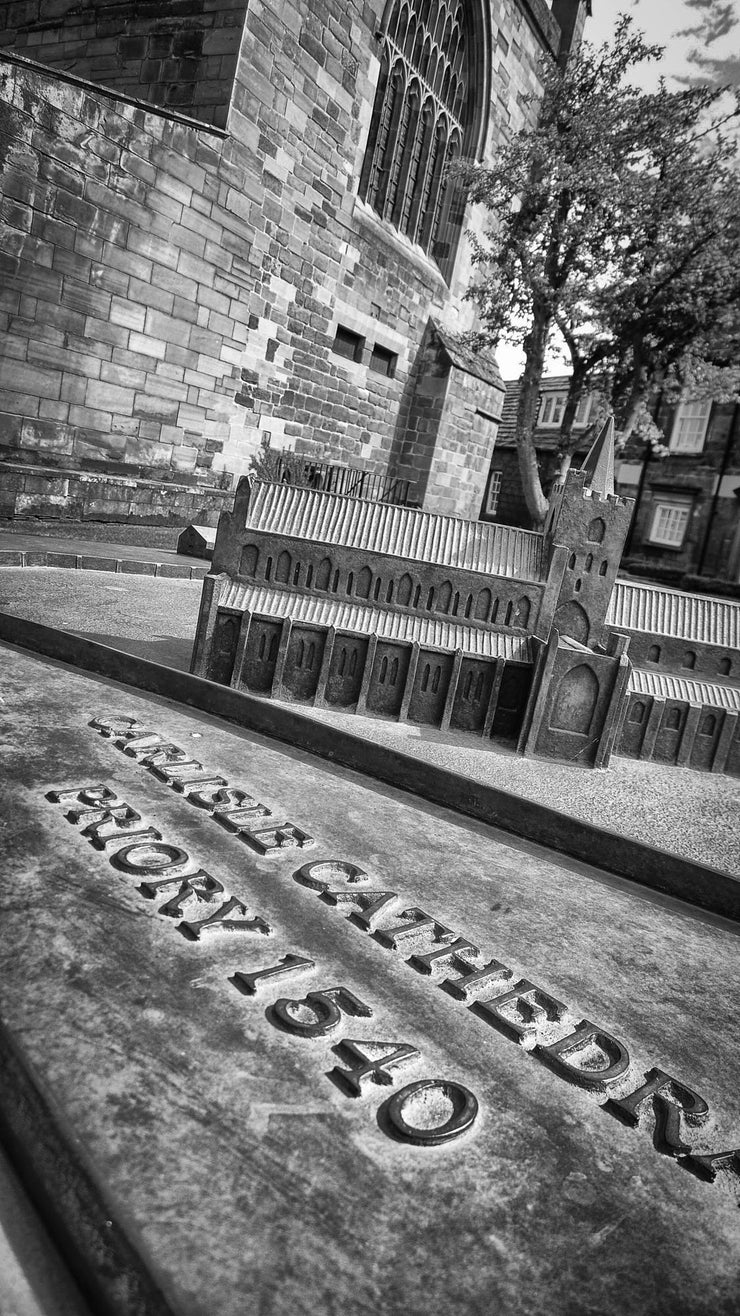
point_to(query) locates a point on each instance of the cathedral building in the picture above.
(227, 224)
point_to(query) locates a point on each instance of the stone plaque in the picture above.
(278, 1039)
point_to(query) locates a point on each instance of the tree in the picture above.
(612, 223)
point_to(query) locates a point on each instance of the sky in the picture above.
(700, 36)
(702, 42)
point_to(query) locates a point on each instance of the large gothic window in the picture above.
(427, 114)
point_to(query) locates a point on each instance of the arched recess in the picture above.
(483, 605)
(248, 560)
(523, 609)
(596, 530)
(403, 596)
(323, 574)
(575, 700)
(282, 570)
(570, 619)
(445, 597)
(364, 581)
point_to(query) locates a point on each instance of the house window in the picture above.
(493, 493)
(427, 114)
(669, 523)
(582, 413)
(690, 425)
(552, 407)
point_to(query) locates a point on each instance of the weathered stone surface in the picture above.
(143, 251)
(223, 1149)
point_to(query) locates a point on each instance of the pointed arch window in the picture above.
(428, 113)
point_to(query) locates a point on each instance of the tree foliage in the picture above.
(613, 227)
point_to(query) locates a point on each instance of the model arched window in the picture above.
(428, 113)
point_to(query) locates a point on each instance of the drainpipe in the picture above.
(732, 434)
(647, 457)
(638, 498)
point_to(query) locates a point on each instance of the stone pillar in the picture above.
(277, 680)
(451, 691)
(724, 744)
(653, 725)
(367, 674)
(690, 728)
(410, 678)
(498, 677)
(319, 698)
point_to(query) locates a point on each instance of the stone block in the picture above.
(102, 395)
(173, 571)
(184, 458)
(33, 559)
(93, 562)
(145, 346)
(127, 313)
(132, 567)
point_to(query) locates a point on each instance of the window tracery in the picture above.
(427, 114)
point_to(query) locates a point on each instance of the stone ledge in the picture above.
(110, 94)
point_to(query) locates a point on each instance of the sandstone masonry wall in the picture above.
(171, 293)
(180, 54)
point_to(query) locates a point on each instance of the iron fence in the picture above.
(347, 480)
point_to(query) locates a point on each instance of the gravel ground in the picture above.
(690, 813)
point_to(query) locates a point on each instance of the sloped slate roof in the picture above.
(325, 518)
(666, 686)
(507, 423)
(428, 631)
(545, 437)
(661, 611)
(481, 364)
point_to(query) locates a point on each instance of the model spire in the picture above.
(598, 466)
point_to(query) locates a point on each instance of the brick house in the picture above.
(227, 223)
(503, 498)
(686, 523)
(687, 513)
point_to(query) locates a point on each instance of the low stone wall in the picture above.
(30, 492)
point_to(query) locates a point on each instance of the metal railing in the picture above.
(347, 480)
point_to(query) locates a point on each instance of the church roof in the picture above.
(403, 627)
(660, 611)
(685, 689)
(406, 532)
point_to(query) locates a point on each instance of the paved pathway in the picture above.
(37, 550)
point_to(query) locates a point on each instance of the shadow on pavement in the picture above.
(167, 650)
